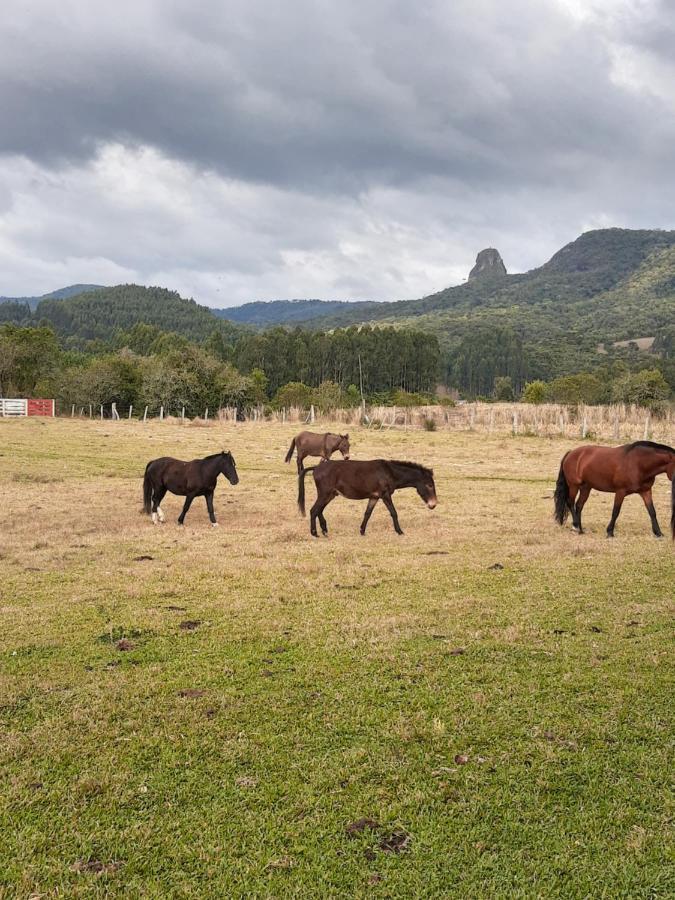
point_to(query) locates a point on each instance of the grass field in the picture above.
(507, 731)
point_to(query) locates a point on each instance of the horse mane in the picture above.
(411, 465)
(650, 445)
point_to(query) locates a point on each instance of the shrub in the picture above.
(534, 392)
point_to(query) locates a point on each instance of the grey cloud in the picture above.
(326, 95)
(247, 150)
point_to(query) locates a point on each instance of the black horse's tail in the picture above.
(147, 492)
(290, 451)
(301, 488)
(672, 508)
(561, 497)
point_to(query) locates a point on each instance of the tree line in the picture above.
(144, 365)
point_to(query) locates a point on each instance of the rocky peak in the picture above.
(488, 263)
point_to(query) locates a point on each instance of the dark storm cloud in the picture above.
(340, 94)
(244, 149)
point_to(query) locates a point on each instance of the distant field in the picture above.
(492, 692)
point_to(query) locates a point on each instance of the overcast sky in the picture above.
(239, 150)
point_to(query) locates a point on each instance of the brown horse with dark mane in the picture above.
(197, 478)
(370, 480)
(308, 443)
(630, 469)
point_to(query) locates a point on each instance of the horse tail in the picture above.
(290, 451)
(561, 496)
(672, 508)
(301, 488)
(147, 491)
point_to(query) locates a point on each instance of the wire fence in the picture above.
(616, 422)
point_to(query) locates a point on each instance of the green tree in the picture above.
(646, 388)
(574, 389)
(259, 384)
(295, 393)
(503, 389)
(534, 392)
(328, 396)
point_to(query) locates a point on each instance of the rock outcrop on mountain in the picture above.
(488, 263)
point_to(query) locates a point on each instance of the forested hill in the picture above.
(99, 314)
(289, 312)
(596, 262)
(61, 294)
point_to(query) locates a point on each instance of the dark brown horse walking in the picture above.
(370, 480)
(187, 479)
(630, 469)
(307, 443)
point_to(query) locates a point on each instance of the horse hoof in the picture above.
(214, 524)
(609, 535)
(658, 536)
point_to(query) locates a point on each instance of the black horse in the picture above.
(187, 479)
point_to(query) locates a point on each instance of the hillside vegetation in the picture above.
(97, 315)
(284, 312)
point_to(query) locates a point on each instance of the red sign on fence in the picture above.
(40, 408)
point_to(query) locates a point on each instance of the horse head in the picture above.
(228, 467)
(426, 488)
(343, 445)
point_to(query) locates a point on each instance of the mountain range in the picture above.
(597, 295)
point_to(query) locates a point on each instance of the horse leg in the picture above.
(571, 502)
(386, 499)
(618, 500)
(157, 497)
(209, 505)
(649, 503)
(186, 506)
(581, 501)
(319, 506)
(368, 513)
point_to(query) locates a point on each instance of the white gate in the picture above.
(13, 407)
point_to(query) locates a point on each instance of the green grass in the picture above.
(325, 681)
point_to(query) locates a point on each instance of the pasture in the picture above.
(486, 700)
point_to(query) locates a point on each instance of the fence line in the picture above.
(616, 422)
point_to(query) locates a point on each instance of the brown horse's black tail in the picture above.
(147, 492)
(301, 488)
(561, 497)
(290, 451)
(672, 508)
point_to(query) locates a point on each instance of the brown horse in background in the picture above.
(308, 443)
(197, 478)
(630, 469)
(370, 480)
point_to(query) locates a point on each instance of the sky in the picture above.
(239, 150)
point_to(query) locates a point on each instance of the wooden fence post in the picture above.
(206, 414)
(145, 414)
(647, 424)
(515, 422)
(182, 414)
(101, 411)
(161, 413)
(131, 409)
(72, 412)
